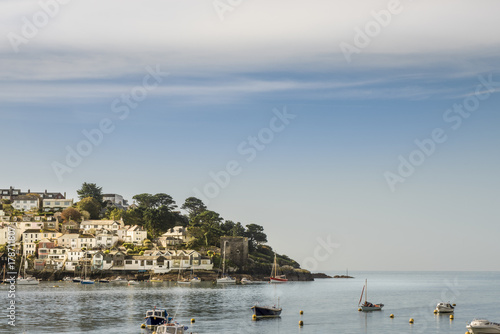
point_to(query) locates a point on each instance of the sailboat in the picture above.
(225, 278)
(183, 280)
(367, 306)
(25, 280)
(275, 278)
(194, 279)
(85, 280)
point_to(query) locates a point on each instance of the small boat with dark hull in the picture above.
(155, 318)
(266, 311)
(367, 306)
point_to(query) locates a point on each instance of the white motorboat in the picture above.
(132, 282)
(367, 306)
(119, 280)
(195, 279)
(171, 328)
(444, 308)
(27, 281)
(483, 326)
(226, 280)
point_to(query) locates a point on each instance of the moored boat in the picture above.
(483, 326)
(195, 279)
(367, 306)
(77, 279)
(444, 308)
(266, 311)
(103, 280)
(119, 280)
(132, 282)
(27, 281)
(225, 279)
(275, 278)
(155, 318)
(172, 328)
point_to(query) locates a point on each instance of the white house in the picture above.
(68, 240)
(26, 203)
(86, 240)
(136, 235)
(23, 226)
(106, 239)
(112, 225)
(29, 248)
(73, 258)
(175, 236)
(33, 235)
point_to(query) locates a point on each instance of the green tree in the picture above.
(113, 213)
(255, 234)
(193, 206)
(71, 214)
(90, 190)
(207, 225)
(91, 205)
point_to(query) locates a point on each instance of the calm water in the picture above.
(329, 305)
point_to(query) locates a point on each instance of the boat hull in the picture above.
(277, 280)
(87, 282)
(226, 280)
(375, 307)
(27, 282)
(483, 327)
(444, 308)
(266, 312)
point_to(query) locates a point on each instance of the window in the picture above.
(128, 261)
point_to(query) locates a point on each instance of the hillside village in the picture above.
(49, 239)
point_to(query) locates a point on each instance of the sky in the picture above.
(361, 135)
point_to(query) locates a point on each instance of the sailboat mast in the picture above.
(224, 260)
(366, 289)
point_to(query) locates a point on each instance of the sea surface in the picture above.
(329, 305)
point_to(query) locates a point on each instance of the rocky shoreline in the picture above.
(204, 275)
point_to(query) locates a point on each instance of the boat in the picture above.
(132, 282)
(367, 306)
(155, 318)
(444, 308)
(67, 279)
(86, 280)
(103, 280)
(225, 279)
(275, 278)
(195, 279)
(156, 280)
(483, 326)
(266, 311)
(172, 328)
(119, 280)
(25, 280)
(182, 280)
(76, 279)
(245, 280)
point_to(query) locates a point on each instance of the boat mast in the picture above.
(224, 259)
(366, 288)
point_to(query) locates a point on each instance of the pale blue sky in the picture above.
(322, 174)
